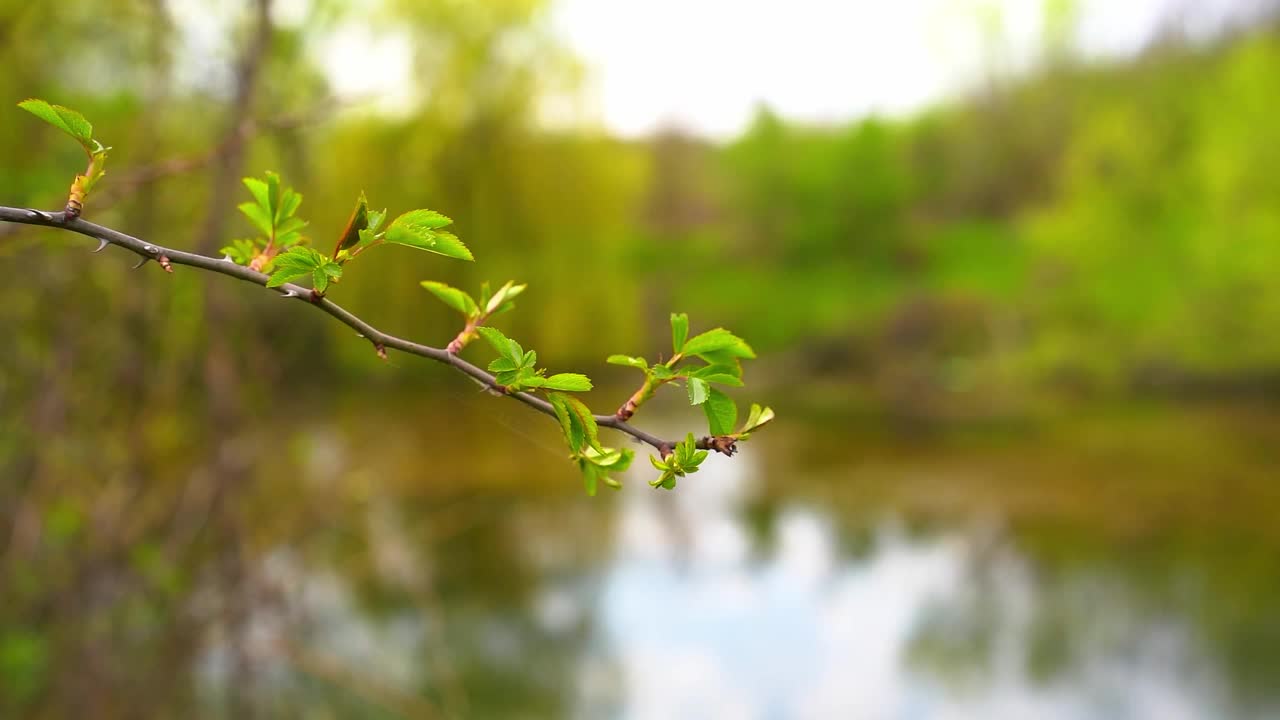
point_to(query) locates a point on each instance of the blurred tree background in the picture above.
(1086, 235)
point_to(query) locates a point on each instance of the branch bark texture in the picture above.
(382, 341)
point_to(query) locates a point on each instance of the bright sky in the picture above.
(705, 65)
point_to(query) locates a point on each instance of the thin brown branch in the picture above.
(379, 339)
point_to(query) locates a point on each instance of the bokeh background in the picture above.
(1010, 266)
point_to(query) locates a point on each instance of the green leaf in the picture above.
(258, 217)
(509, 378)
(529, 380)
(358, 221)
(574, 434)
(707, 372)
(501, 300)
(721, 378)
(301, 257)
(498, 341)
(615, 460)
(697, 388)
(282, 275)
(289, 225)
(240, 251)
(679, 331)
(420, 229)
(583, 417)
(758, 418)
(289, 203)
(319, 280)
(577, 422)
(570, 382)
(728, 356)
(635, 362)
(258, 189)
(721, 412)
(662, 372)
(597, 465)
(65, 119)
(716, 340)
(502, 365)
(299, 262)
(451, 296)
(273, 192)
(504, 345)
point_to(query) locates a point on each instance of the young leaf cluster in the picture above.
(702, 362)
(719, 355)
(597, 463)
(74, 124)
(273, 213)
(684, 460)
(475, 313)
(304, 262)
(281, 250)
(516, 369)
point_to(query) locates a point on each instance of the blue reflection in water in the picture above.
(688, 616)
(701, 628)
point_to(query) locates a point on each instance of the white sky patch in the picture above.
(369, 70)
(706, 65)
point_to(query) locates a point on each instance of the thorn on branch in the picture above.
(288, 294)
(141, 262)
(42, 215)
(102, 245)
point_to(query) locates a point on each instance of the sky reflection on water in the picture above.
(687, 604)
(700, 627)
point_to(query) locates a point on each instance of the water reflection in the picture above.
(952, 625)
(868, 582)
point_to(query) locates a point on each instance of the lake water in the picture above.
(1120, 565)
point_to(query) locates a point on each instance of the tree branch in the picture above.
(381, 340)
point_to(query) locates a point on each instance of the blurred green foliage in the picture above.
(1087, 231)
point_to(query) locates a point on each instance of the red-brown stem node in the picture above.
(723, 444)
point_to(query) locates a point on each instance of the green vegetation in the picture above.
(186, 464)
(282, 252)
